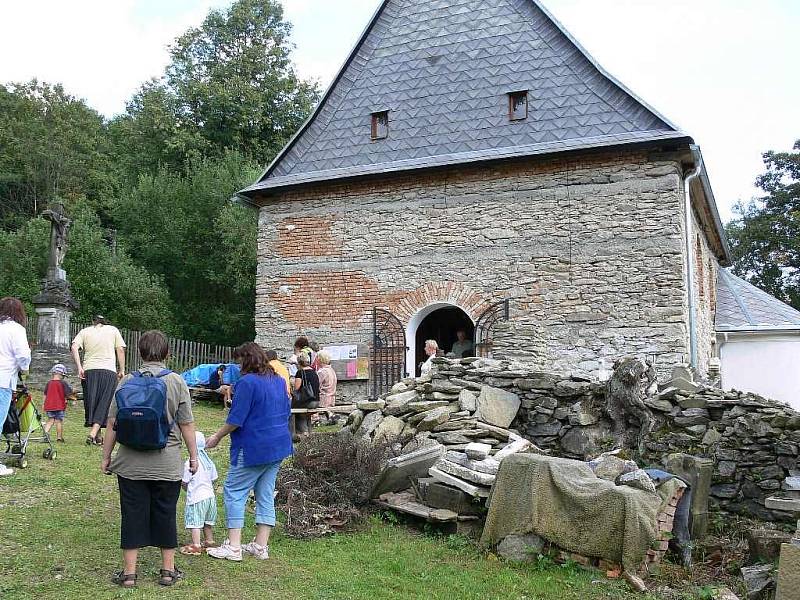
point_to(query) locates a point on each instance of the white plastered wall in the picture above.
(765, 363)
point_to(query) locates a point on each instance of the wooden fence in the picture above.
(184, 354)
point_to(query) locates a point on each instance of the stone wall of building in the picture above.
(705, 297)
(753, 441)
(589, 249)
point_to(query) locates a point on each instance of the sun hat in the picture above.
(59, 368)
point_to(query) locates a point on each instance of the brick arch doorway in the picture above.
(439, 321)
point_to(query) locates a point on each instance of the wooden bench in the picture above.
(340, 409)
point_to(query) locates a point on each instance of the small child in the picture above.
(56, 392)
(201, 501)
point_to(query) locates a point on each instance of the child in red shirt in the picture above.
(56, 392)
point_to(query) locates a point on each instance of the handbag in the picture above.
(305, 393)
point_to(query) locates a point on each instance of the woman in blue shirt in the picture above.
(258, 423)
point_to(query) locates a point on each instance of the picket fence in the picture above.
(184, 354)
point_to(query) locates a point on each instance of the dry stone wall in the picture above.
(589, 247)
(753, 441)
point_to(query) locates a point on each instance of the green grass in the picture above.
(59, 538)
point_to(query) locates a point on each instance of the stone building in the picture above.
(469, 153)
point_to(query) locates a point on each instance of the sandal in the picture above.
(169, 578)
(211, 544)
(122, 579)
(192, 550)
(90, 441)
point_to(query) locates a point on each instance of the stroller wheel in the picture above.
(49, 454)
(22, 463)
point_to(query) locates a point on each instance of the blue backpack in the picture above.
(142, 421)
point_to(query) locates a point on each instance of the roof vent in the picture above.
(518, 105)
(380, 125)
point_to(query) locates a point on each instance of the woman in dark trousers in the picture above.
(305, 376)
(150, 480)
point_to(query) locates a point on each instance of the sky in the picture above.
(724, 71)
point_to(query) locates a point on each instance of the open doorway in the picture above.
(441, 324)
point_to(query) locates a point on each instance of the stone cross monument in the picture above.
(55, 304)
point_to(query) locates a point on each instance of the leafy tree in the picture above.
(765, 235)
(185, 228)
(102, 280)
(230, 85)
(51, 145)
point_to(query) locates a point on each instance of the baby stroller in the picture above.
(22, 422)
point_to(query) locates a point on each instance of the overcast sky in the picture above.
(725, 71)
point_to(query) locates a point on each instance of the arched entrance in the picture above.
(441, 322)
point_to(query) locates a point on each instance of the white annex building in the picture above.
(759, 341)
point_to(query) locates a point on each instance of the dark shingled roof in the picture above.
(741, 306)
(443, 69)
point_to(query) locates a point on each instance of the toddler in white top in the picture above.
(201, 501)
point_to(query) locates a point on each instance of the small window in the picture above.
(380, 125)
(518, 106)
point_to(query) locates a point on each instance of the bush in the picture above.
(326, 487)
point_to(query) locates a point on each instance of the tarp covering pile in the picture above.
(206, 374)
(563, 501)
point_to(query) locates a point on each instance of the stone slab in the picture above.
(467, 400)
(478, 451)
(514, 447)
(497, 406)
(789, 573)
(406, 503)
(367, 405)
(400, 470)
(389, 429)
(696, 472)
(475, 491)
(465, 473)
(520, 547)
(500, 433)
(439, 495)
(781, 503)
(488, 465)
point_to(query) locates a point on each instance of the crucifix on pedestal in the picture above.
(54, 305)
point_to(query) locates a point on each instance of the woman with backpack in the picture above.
(15, 356)
(148, 463)
(258, 424)
(306, 393)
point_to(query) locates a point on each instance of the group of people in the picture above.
(150, 480)
(312, 382)
(461, 348)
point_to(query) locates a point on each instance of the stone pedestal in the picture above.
(697, 473)
(53, 326)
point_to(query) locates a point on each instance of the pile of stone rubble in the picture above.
(441, 408)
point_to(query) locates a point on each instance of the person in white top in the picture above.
(15, 355)
(102, 367)
(431, 349)
(201, 502)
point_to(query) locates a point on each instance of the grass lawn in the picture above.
(59, 538)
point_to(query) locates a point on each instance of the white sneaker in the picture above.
(4, 470)
(260, 552)
(226, 551)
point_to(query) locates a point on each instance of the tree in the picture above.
(765, 235)
(102, 280)
(185, 228)
(230, 86)
(51, 145)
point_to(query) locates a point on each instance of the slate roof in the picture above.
(742, 306)
(443, 69)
